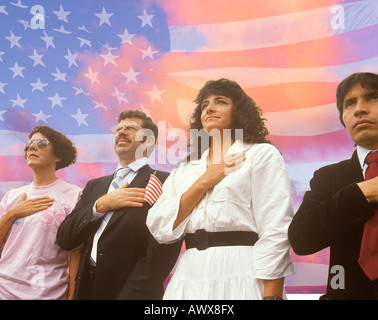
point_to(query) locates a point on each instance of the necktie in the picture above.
(118, 181)
(368, 259)
(119, 178)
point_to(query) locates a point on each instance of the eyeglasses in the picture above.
(40, 143)
(128, 127)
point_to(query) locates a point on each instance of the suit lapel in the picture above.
(140, 181)
(355, 172)
(101, 187)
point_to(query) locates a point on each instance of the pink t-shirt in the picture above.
(32, 265)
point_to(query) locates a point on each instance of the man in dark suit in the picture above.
(120, 259)
(334, 212)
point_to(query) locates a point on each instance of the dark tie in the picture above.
(369, 245)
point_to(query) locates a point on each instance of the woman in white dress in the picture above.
(230, 200)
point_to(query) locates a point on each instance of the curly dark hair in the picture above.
(62, 146)
(246, 115)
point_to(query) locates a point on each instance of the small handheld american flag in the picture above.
(154, 189)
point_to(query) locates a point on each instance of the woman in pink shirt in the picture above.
(32, 265)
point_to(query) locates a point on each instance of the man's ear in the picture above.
(150, 141)
(147, 142)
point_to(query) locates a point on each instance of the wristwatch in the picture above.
(272, 298)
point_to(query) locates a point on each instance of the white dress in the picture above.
(256, 197)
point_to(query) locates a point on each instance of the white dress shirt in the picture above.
(362, 153)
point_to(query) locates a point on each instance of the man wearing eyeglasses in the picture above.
(120, 259)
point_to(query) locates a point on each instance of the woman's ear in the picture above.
(57, 159)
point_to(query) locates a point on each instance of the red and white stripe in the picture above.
(154, 189)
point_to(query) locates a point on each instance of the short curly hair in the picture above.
(148, 123)
(246, 115)
(62, 146)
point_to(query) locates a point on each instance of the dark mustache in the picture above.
(123, 137)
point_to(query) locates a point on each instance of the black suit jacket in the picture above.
(130, 263)
(333, 214)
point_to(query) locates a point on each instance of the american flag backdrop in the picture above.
(74, 65)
